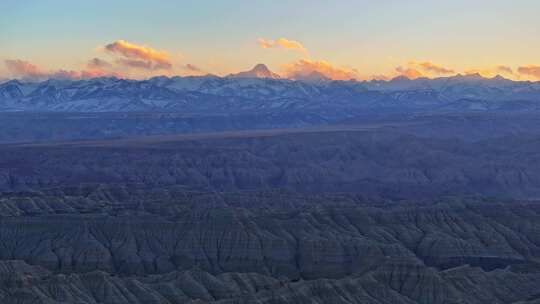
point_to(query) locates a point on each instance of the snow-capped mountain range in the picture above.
(261, 90)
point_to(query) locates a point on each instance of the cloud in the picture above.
(97, 67)
(414, 70)
(282, 43)
(64, 74)
(530, 70)
(305, 67)
(434, 68)
(504, 69)
(137, 56)
(493, 71)
(192, 68)
(410, 73)
(86, 74)
(25, 69)
(137, 64)
(97, 63)
(379, 77)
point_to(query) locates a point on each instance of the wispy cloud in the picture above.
(305, 67)
(493, 71)
(379, 77)
(97, 63)
(503, 69)
(416, 69)
(282, 43)
(137, 64)
(97, 67)
(138, 56)
(26, 70)
(530, 70)
(434, 68)
(192, 68)
(65, 74)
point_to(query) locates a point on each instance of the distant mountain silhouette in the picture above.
(259, 71)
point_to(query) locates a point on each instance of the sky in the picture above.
(341, 39)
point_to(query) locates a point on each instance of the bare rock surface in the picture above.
(350, 215)
(120, 244)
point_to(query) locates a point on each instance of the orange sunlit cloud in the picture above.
(504, 70)
(530, 70)
(131, 60)
(379, 77)
(414, 70)
(26, 70)
(21, 68)
(282, 43)
(305, 67)
(97, 67)
(137, 56)
(410, 73)
(433, 68)
(428, 69)
(493, 71)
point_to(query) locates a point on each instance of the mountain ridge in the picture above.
(259, 71)
(239, 93)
